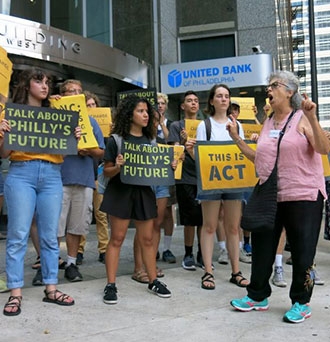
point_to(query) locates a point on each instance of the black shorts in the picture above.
(172, 199)
(129, 201)
(190, 210)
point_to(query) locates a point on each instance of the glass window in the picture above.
(98, 21)
(67, 15)
(207, 48)
(31, 9)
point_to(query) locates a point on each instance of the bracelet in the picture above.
(237, 141)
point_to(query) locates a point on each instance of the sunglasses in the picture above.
(275, 85)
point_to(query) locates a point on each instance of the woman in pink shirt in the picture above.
(301, 191)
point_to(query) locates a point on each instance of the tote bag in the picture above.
(260, 211)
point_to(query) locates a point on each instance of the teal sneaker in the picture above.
(248, 304)
(298, 313)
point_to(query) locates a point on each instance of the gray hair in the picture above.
(291, 80)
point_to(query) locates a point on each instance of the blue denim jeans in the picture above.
(32, 188)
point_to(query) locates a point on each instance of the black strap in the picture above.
(208, 128)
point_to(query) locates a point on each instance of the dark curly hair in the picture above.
(210, 108)
(21, 92)
(124, 116)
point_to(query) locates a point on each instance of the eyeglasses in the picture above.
(275, 85)
(74, 91)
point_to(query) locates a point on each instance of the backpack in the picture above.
(102, 180)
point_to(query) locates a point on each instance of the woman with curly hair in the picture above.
(123, 202)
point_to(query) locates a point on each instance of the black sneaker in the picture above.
(72, 273)
(80, 258)
(37, 280)
(102, 258)
(159, 289)
(110, 294)
(169, 257)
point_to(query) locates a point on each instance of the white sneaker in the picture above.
(243, 257)
(317, 278)
(278, 279)
(223, 256)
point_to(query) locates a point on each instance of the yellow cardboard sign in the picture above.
(103, 117)
(222, 166)
(246, 107)
(178, 151)
(326, 165)
(191, 127)
(269, 110)
(77, 103)
(6, 67)
(249, 129)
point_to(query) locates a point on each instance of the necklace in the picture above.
(277, 124)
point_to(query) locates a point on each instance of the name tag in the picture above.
(274, 133)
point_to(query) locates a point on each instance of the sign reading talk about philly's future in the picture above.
(150, 94)
(147, 164)
(41, 130)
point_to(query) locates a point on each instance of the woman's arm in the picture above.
(242, 145)
(4, 127)
(112, 169)
(311, 127)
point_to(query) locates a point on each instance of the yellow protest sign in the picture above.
(191, 127)
(178, 151)
(326, 166)
(103, 117)
(77, 103)
(222, 167)
(246, 107)
(249, 129)
(269, 108)
(6, 67)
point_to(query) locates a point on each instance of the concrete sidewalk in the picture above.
(192, 314)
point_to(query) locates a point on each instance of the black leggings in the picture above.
(302, 221)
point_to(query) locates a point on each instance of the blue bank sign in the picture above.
(236, 72)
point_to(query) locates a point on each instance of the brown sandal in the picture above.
(58, 298)
(141, 277)
(160, 273)
(11, 304)
(238, 282)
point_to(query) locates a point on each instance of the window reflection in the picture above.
(32, 10)
(67, 15)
